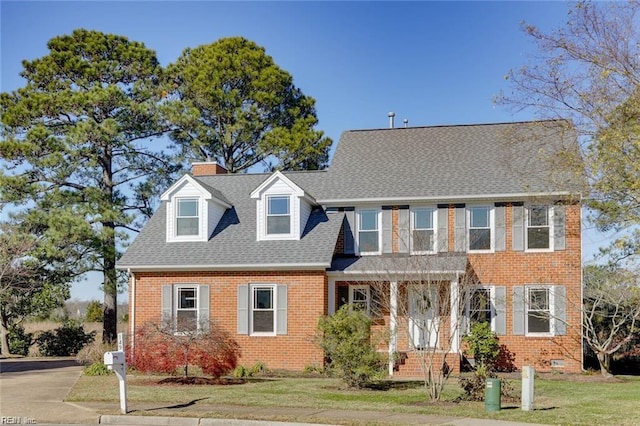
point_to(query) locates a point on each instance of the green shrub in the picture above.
(346, 341)
(95, 312)
(66, 340)
(240, 372)
(97, 369)
(19, 341)
(483, 345)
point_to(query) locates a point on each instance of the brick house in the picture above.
(482, 211)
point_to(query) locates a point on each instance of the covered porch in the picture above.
(416, 300)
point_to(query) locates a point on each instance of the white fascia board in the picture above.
(277, 175)
(471, 197)
(371, 275)
(166, 195)
(228, 267)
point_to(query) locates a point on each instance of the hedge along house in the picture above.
(428, 229)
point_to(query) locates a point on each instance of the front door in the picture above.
(423, 320)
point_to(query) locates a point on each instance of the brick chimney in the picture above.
(207, 168)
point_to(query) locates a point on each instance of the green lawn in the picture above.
(558, 400)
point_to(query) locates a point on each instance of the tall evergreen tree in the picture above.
(76, 153)
(233, 104)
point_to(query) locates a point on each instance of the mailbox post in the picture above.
(114, 360)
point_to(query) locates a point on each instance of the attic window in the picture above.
(187, 219)
(278, 215)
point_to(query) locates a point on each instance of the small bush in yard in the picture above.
(159, 350)
(19, 341)
(346, 341)
(484, 345)
(97, 369)
(64, 341)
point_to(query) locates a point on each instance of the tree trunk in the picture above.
(110, 321)
(4, 338)
(604, 361)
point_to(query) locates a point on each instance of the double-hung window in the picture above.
(369, 231)
(423, 230)
(186, 309)
(480, 307)
(360, 297)
(187, 217)
(263, 309)
(539, 310)
(278, 215)
(480, 238)
(538, 228)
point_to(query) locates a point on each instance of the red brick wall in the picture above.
(207, 169)
(510, 268)
(307, 301)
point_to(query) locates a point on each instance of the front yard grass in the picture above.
(560, 399)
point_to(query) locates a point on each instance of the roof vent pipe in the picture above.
(391, 116)
(406, 123)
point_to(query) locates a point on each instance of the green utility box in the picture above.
(492, 395)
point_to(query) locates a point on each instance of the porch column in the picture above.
(393, 324)
(455, 319)
(331, 297)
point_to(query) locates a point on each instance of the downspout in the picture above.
(132, 311)
(581, 295)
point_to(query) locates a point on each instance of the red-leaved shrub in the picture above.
(160, 350)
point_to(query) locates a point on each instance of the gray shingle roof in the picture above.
(443, 162)
(390, 265)
(234, 242)
(451, 161)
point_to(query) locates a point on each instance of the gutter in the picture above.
(229, 267)
(448, 198)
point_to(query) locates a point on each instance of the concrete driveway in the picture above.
(32, 391)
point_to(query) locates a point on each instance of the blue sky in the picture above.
(429, 62)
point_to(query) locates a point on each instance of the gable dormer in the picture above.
(193, 211)
(282, 208)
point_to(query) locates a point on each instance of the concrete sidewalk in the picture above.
(32, 390)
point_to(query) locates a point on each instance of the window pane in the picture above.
(359, 295)
(538, 216)
(538, 299)
(479, 239)
(539, 322)
(187, 226)
(263, 321)
(368, 241)
(187, 298)
(369, 220)
(479, 217)
(187, 207)
(423, 219)
(278, 224)
(422, 240)
(187, 320)
(263, 298)
(538, 238)
(279, 205)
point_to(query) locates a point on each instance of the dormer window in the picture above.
(278, 215)
(193, 210)
(187, 217)
(282, 209)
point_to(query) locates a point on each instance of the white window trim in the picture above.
(526, 229)
(434, 223)
(176, 304)
(353, 288)
(274, 290)
(201, 209)
(492, 300)
(492, 228)
(267, 215)
(379, 230)
(550, 292)
(263, 212)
